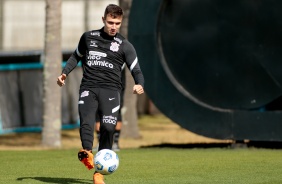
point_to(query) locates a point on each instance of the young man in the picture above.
(102, 53)
(115, 146)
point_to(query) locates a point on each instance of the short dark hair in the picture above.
(113, 10)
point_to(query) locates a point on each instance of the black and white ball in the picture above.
(106, 161)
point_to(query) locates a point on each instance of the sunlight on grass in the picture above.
(158, 119)
(152, 166)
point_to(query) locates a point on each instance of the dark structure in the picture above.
(213, 66)
(21, 86)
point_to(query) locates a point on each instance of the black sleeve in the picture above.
(123, 77)
(76, 56)
(71, 63)
(132, 63)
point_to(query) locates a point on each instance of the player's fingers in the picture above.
(60, 81)
(64, 76)
(140, 91)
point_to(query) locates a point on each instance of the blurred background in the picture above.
(23, 22)
(22, 34)
(211, 66)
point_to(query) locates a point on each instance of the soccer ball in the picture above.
(106, 161)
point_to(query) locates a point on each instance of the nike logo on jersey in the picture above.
(111, 99)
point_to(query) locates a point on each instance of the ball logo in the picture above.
(99, 166)
(112, 168)
(108, 156)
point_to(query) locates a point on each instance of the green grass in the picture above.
(152, 166)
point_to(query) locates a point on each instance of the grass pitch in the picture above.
(147, 165)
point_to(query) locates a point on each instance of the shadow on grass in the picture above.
(235, 144)
(198, 145)
(57, 180)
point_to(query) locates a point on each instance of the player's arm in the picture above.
(134, 67)
(72, 61)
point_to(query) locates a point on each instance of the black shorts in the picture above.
(119, 118)
(107, 103)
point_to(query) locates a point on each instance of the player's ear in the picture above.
(103, 19)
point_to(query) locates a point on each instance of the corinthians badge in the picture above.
(114, 46)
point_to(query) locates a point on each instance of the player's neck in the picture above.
(105, 35)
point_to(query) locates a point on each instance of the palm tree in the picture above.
(51, 134)
(130, 120)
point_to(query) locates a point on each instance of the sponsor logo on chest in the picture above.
(96, 58)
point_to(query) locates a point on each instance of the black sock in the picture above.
(98, 135)
(116, 136)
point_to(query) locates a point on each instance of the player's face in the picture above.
(112, 25)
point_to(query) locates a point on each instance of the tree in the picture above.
(51, 134)
(130, 118)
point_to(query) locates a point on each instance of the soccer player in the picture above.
(115, 146)
(102, 53)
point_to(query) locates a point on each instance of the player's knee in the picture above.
(110, 128)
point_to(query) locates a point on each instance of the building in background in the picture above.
(22, 32)
(22, 22)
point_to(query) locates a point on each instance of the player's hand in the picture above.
(61, 80)
(138, 89)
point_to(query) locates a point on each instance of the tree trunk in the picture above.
(130, 120)
(51, 134)
(1, 23)
(86, 17)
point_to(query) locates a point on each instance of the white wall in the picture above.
(24, 22)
